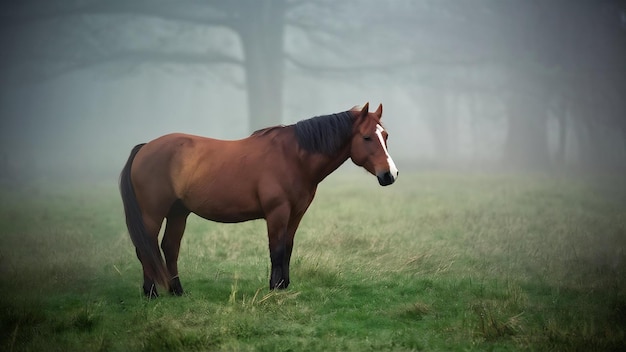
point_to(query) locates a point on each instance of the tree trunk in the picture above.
(527, 140)
(262, 34)
(561, 115)
(436, 116)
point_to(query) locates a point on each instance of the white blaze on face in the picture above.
(392, 166)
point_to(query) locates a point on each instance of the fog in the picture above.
(528, 85)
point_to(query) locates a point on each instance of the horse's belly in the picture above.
(228, 210)
(229, 217)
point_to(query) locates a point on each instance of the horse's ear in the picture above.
(379, 111)
(365, 110)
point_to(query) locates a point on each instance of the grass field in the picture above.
(436, 262)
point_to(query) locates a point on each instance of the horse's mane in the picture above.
(324, 134)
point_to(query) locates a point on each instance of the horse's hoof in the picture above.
(151, 292)
(280, 285)
(176, 288)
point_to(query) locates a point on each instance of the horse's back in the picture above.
(216, 179)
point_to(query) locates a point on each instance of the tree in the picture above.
(539, 59)
(559, 55)
(259, 26)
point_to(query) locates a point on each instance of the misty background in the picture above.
(521, 85)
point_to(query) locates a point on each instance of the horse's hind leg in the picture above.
(174, 229)
(149, 285)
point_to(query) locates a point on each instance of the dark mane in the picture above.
(324, 134)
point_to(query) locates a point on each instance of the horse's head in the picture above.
(369, 145)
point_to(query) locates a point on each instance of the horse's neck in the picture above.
(319, 166)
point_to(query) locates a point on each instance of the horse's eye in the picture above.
(367, 138)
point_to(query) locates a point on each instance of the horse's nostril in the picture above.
(385, 179)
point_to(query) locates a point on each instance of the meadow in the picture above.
(435, 262)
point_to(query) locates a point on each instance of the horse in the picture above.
(272, 174)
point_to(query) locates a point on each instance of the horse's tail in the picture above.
(151, 258)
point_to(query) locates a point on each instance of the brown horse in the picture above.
(273, 174)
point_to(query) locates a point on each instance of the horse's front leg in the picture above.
(279, 257)
(280, 246)
(279, 277)
(281, 230)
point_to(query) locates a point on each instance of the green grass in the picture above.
(434, 262)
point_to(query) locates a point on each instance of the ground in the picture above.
(434, 262)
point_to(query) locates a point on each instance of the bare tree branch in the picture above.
(195, 12)
(351, 68)
(136, 58)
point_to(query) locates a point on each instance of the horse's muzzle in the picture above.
(386, 178)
